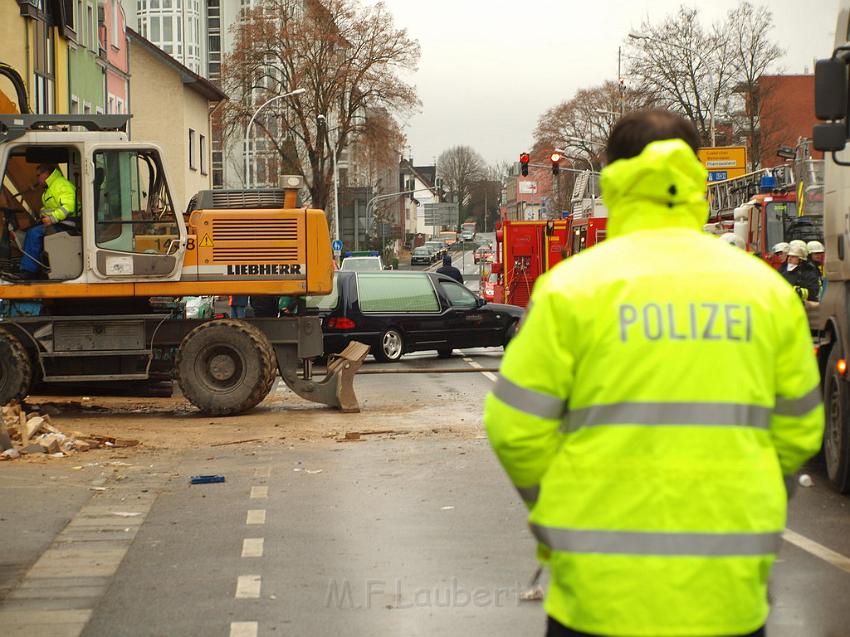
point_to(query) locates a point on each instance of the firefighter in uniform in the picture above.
(648, 410)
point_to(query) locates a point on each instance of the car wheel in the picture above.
(444, 353)
(390, 346)
(510, 332)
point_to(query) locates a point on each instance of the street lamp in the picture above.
(298, 91)
(324, 121)
(712, 85)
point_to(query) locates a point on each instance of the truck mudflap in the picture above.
(336, 389)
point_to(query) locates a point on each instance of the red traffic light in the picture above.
(523, 158)
(555, 157)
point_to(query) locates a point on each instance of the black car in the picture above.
(421, 255)
(400, 312)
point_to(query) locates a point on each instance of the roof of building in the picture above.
(188, 76)
(426, 174)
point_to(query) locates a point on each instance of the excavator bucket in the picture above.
(336, 389)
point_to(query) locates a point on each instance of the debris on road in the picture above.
(209, 479)
(36, 435)
(236, 442)
(805, 480)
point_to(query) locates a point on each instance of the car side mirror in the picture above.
(481, 302)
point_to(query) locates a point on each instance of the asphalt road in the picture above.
(414, 531)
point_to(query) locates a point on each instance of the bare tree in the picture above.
(583, 123)
(754, 53)
(345, 55)
(460, 167)
(685, 67)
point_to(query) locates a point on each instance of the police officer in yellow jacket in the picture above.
(648, 409)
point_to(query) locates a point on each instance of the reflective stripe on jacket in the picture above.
(59, 201)
(658, 390)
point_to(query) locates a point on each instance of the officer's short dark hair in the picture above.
(634, 131)
(46, 168)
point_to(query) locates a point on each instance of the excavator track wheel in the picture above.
(226, 367)
(15, 368)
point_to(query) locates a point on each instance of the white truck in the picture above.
(829, 319)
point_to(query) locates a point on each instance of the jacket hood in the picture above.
(663, 187)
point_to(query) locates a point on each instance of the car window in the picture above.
(421, 251)
(397, 292)
(458, 295)
(361, 264)
(326, 302)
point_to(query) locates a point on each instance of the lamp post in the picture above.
(298, 91)
(712, 85)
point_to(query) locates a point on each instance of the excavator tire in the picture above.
(15, 368)
(226, 367)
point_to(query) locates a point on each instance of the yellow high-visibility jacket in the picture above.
(660, 387)
(59, 201)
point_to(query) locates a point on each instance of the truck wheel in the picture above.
(391, 346)
(15, 368)
(225, 367)
(836, 436)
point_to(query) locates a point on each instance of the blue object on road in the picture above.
(206, 479)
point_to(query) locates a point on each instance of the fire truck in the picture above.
(524, 251)
(771, 205)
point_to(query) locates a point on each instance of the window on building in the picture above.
(91, 23)
(75, 105)
(202, 153)
(192, 164)
(42, 77)
(119, 103)
(110, 105)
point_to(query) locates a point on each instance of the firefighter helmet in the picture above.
(782, 247)
(797, 250)
(732, 239)
(814, 247)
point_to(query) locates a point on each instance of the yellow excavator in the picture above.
(89, 315)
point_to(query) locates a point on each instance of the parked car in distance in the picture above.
(433, 250)
(421, 255)
(467, 235)
(362, 264)
(439, 247)
(483, 254)
(401, 312)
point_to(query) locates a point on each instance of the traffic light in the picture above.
(556, 163)
(523, 164)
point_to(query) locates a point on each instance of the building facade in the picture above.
(161, 85)
(787, 113)
(35, 36)
(87, 60)
(113, 35)
(178, 27)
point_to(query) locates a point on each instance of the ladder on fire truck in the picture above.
(725, 196)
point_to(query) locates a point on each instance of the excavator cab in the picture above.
(125, 227)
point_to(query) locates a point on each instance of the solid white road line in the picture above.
(252, 547)
(259, 493)
(474, 364)
(256, 516)
(244, 629)
(263, 472)
(818, 550)
(248, 587)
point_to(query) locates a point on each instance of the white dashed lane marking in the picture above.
(818, 550)
(263, 472)
(252, 547)
(472, 363)
(259, 493)
(244, 629)
(248, 587)
(256, 516)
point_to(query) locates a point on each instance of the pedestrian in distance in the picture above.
(648, 410)
(238, 306)
(449, 270)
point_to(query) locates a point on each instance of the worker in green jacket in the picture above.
(59, 206)
(648, 409)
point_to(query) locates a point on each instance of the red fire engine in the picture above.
(524, 251)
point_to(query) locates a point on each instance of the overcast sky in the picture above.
(490, 68)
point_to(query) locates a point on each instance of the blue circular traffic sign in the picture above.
(337, 244)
